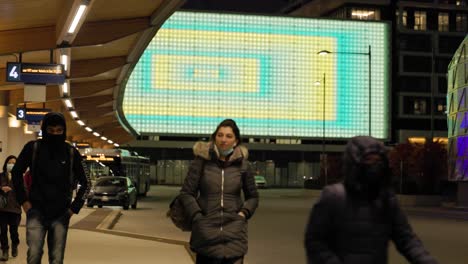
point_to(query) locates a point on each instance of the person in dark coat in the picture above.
(211, 195)
(352, 222)
(56, 169)
(11, 214)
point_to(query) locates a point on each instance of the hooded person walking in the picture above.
(352, 222)
(56, 168)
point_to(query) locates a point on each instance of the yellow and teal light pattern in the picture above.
(265, 73)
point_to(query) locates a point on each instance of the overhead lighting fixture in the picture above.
(76, 19)
(117, 145)
(68, 103)
(64, 61)
(104, 138)
(81, 123)
(110, 141)
(74, 114)
(88, 129)
(63, 56)
(65, 89)
(96, 134)
(13, 122)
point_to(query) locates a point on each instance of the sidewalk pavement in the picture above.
(90, 241)
(445, 212)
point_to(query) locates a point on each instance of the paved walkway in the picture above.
(91, 242)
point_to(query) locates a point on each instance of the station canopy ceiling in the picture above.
(104, 48)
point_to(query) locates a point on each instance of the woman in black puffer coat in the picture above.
(353, 222)
(211, 195)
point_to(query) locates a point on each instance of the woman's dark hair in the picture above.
(6, 162)
(228, 123)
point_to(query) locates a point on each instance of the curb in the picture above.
(109, 222)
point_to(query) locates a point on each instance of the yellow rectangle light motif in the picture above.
(165, 77)
(295, 69)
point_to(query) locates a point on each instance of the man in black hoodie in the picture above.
(352, 222)
(56, 170)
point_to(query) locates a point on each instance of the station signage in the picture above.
(32, 115)
(82, 145)
(35, 73)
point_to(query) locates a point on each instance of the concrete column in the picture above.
(3, 132)
(12, 138)
(462, 194)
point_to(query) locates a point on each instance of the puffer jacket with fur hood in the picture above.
(212, 197)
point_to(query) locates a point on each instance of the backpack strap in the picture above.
(34, 157)
(70, 172)
(71, 163)
(244, 169)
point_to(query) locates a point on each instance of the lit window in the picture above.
(420, 20)
(441, 107)
(365, 14)
(443, 22)
(461, 20)
(403, 20)
(461, 3)
(420, 106)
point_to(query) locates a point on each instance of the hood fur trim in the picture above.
(204, 150)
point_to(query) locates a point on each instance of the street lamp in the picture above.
(369, 54)
(324, 154)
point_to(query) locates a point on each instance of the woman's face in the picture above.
(11, 161)
(225, 138)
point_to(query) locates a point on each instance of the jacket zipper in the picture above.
(222, 197)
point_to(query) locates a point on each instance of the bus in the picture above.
(118, 162)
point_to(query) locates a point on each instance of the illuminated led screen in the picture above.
(263, 72)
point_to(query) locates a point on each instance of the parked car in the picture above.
(260, 182)
(312, 183)
(113, 190)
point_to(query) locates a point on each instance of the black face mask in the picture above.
(55, 139)
(372, 179)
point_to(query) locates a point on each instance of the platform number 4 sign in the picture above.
(13, 72)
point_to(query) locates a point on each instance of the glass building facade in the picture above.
(457, 114)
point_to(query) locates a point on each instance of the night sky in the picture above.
(248, 6)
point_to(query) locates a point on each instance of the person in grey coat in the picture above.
(352, 222)
(211, 195)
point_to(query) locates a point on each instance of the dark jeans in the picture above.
(207, 260)
(12, 220)
(36, 230)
